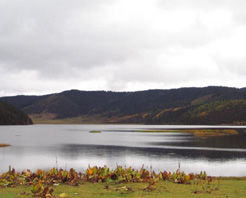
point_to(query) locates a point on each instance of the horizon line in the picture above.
(67, 90)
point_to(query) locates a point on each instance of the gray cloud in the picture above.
(48, 46)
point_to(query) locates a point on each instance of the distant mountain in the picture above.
(10, 115)
(208, 105)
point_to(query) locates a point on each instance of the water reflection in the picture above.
(66, 146)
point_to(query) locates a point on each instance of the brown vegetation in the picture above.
(202, 133)
(4, 145)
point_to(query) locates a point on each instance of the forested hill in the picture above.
(10, 115)
(208, 105)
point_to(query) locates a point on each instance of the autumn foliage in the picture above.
(42, 181)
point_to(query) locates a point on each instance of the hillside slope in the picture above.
(174, 106)
(219, 112)
(9, 115)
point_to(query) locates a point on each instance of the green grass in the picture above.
(221, 188)
(95, 131)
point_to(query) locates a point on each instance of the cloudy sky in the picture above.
(53, 45)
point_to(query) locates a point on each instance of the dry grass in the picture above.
(4, 145)
(74, 120)
(213, 132)
(202, 133)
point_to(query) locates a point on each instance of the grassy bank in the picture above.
(102, 182)
(220, 188)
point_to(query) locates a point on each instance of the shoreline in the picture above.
(102, 182)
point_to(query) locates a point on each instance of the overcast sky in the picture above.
(54, 45)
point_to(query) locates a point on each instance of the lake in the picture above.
(73, 146)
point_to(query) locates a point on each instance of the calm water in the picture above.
(66, 146)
